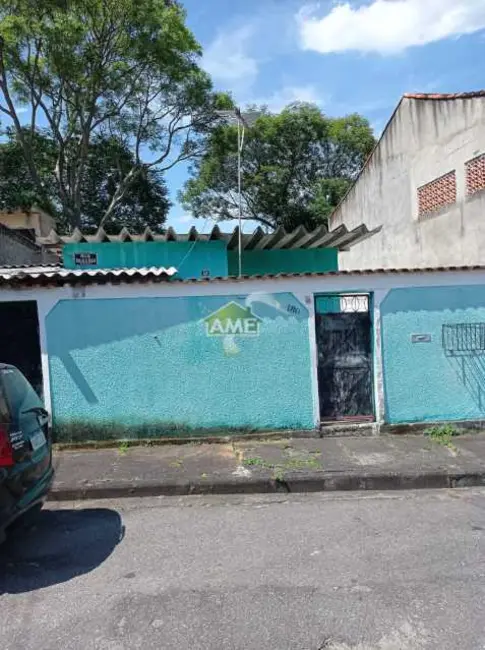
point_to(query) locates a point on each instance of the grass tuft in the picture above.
(442, 435)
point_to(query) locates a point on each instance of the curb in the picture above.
(261, 436)
(291, 484)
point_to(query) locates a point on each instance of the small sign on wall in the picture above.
(85, 259)
(420, 338)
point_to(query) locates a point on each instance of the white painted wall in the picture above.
(424, 140)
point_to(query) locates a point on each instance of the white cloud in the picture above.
(185, 218)
(226, 58)
(287, 95)
(388, 26)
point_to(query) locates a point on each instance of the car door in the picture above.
(28, 431)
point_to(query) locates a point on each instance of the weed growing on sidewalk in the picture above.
(257, 461)
(123, 447)
(443, 435)
(279, 469)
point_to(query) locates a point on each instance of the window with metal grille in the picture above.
(475, 174)
(463, 339)
(436, 195)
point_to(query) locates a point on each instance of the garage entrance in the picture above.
(19, 340)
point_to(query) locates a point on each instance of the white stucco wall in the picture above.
(425, 139)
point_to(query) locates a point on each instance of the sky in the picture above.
(346, 57)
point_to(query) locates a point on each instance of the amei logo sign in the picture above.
(232, 320)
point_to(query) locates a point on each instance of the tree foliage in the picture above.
(126, 72)
(296, 166)
(146, 203)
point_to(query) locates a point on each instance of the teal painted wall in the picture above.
(422, 381)
(327, 304)
(188, 258)
(284, 261)
(143, 362)
(203, 256)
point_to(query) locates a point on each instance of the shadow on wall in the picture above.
(80, 324)
(434, 299)
(464, 347)
(63, 544)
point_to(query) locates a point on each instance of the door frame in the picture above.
(372, 370)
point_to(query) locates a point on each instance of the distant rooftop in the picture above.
(341, 238)
(468, 95)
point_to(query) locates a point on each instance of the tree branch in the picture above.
(12, 113)
(120, 191)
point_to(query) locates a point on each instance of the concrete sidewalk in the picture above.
(292, 465)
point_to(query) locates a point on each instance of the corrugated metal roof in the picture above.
(43, 276)
(14, 267)
(341, 238)
(323, 274)
(57, 275)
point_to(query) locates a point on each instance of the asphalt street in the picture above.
(343, 571)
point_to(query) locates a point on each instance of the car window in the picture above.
(20, 393)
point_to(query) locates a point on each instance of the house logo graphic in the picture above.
(232, 320)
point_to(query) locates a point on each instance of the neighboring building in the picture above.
(34, 222)
(424, 186)
(197, 255)
(138, 353)
(16, 248)
(20, 233)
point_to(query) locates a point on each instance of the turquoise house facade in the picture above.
(433, 347)
(141, 366)
(136, 367)
(137, 354)
(133, 367)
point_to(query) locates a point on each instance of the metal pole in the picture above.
(239, 146)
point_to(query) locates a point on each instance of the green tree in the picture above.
(145, 204)
(120, 70)
(296, 166)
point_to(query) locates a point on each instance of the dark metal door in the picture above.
(19, 339)
(344, 365)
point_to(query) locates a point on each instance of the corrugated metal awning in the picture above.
(340, 238)
(57, 275)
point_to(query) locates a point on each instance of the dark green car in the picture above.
(26, 472)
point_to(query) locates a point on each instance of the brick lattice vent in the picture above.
(437, 194)
(475, 174)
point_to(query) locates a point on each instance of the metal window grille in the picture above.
(463, 339)
(342, 303)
